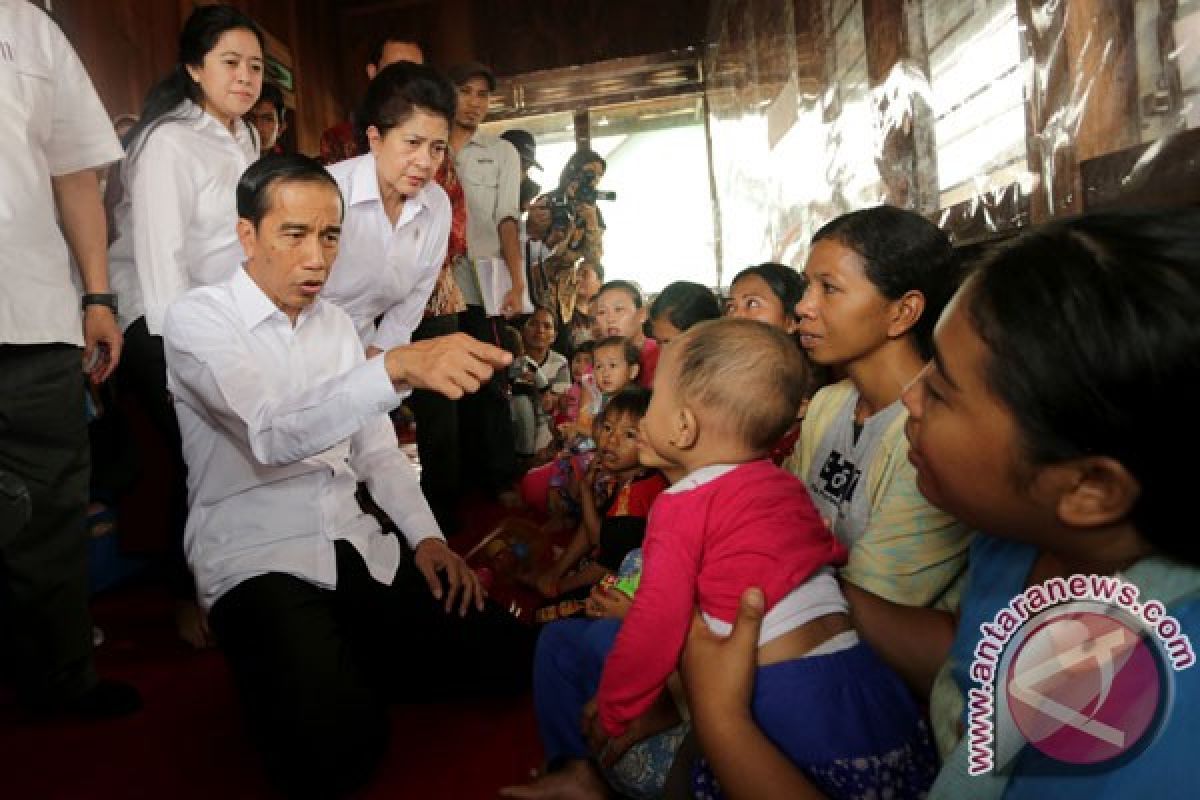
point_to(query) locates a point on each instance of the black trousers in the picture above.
(489, 457)
(315, 668)
(437, 436)
(45, 629)
(143, 373)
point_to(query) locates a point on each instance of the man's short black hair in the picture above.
(255, 187)
(273, 95)
(380, 42)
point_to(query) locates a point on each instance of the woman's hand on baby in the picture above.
(605, 602)
(718, 671)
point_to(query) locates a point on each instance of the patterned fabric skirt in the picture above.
(847, 721)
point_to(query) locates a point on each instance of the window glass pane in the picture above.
(978, 95)
(660, 227)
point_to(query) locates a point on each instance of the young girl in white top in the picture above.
(176, 222)
(177, 218)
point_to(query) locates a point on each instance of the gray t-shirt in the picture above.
(835, 479)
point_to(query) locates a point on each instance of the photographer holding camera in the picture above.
(573, 205)
(575, 230)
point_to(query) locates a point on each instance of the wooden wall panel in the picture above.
(519, 36)
(887, 42)
(357, 31)
(1083, 101)
(127, 45)
(322, 97)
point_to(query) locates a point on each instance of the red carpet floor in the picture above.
(188, 740)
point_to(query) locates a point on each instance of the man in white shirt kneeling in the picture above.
(323, 617)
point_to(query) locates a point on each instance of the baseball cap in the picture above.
(525, 144)
(461, 73)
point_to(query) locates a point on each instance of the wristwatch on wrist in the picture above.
(100, 299)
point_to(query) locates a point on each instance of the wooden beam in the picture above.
(367, 9)
(886, 35)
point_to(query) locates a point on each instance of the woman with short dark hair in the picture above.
(877, 279)
(393, 253)
(397, 221)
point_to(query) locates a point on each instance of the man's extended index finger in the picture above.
(490, 354)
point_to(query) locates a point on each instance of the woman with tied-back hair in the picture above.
(176, 220)
(877, 280)
(397, 223)
(393, 254)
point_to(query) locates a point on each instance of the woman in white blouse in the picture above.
(176, 223)
(397, 221)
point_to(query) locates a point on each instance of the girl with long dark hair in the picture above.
(176, 220)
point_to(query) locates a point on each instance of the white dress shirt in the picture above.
(279, 423)
(51, 124)
(177, 220)
(381, 268)
(490, 171)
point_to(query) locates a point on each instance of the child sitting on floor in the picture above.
(609, 530)
(582, 401)
(538, 380)
(620, 311)
(678, 307)
(555, 488)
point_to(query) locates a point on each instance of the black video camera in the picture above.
(587, 191)
(561, 212)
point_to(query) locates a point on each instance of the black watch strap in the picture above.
(106, 299)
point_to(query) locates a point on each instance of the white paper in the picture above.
(495, 282)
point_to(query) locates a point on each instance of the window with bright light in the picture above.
(978, 95)
(660, 227)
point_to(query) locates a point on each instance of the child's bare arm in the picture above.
(590, 517)
(577, 548)
(607, 602)
(913, 641)
(588, 576)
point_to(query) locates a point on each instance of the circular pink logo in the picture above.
(1083, 687)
